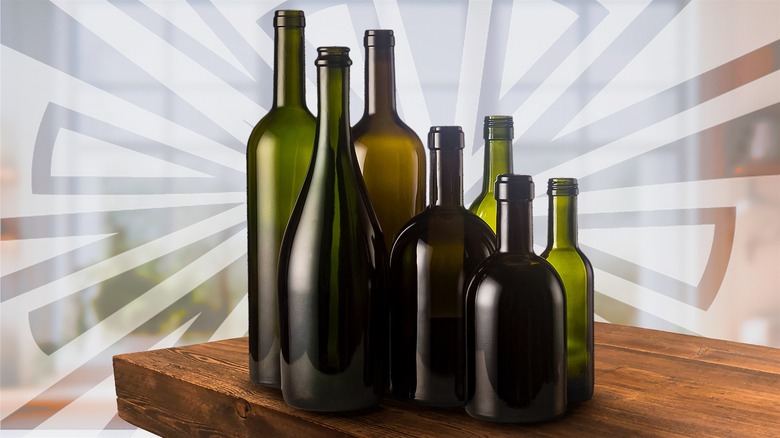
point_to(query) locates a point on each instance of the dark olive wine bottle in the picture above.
(575, 270)
(333, 268)
(278, 154)
(498, 134)
(516, 321)
(429, 264)
(390, 154)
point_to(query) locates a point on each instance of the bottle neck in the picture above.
(515, 227)
(289, 76)
(562, 221)
(446, 170)
(333, 105)
(380, 81)
(498, 159)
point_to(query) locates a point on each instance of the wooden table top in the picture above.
(648, 383)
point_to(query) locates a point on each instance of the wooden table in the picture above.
(648, 383)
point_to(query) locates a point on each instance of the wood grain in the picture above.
(648, 383)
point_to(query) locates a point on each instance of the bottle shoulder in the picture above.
(285, 118)
(456, 222)
(517, 270)
(371, 129)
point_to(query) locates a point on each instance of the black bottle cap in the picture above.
(562, 187)
(333, 57)
(378, 38)
(445, 137)
(511, 187)
(499, 128)
(288, 18)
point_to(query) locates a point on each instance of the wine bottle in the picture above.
(390, 154)
(278, 154)
(516, 320)
(333, 268)
(429, 263)
(575, 270)
(498, 132)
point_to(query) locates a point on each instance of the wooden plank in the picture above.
(648, 383)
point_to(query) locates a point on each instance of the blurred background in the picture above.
(123, 176)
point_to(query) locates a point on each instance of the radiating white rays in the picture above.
(409, 90)
(182, 75)
(236, 323)
(91, 407)
(719, 36)
(99, 272)
(620, 15)
(120, 324)
(534, 27)
(182, 15)
(750, 97)
(20, 254)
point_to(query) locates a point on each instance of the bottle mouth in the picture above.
(333, 56)
(445, 138)
(289, 18)
(378, 38)
(510, 187)
(499, 128)
(562, 187)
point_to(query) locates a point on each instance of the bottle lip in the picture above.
(333, 56)
(511, 187)
(562, 187)
(445, 138)
(289, 18)
(378, 38)
(499, 128)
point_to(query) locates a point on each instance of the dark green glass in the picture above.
(278, 154)
(333, 268)
(431, 259)
(575, 270)
(498, 133)
(516, 321)
(390, 154)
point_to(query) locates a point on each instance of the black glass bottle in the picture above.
(430, 261)
(516, 321)
(278, 154)
(333, 268)
(575, 270)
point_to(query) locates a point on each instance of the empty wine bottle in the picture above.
(498, 134)
(429, 263)
(278, 154)
(575, 270)
(333, 268)
(390, 154)
(516, 321)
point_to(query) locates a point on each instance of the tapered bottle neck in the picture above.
(514, 227)
(380, 81)
(333, 127)
(498, 161)
(446, 177)
(562, 221)
(289, 76)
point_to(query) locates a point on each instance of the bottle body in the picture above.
(278, 154)
(389, 153)
(576, 272)
(517, 325)
(498, 132)
(333, 269)
(430, 261)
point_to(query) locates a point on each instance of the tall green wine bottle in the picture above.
(390, 154)
(278, 154)
(430, 261)
(333, 268)
(516, 320)
(498, 134)
(576, 272)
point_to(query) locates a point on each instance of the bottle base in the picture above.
(517, 419)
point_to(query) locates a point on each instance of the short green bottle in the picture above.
(498, 133)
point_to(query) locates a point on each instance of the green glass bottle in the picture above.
(390, 154)
(576, 272)
(278, 154)
(516, 320)
(430, 261)
(498, 133)
(333, 268)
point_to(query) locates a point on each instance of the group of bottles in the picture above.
(355, 286)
